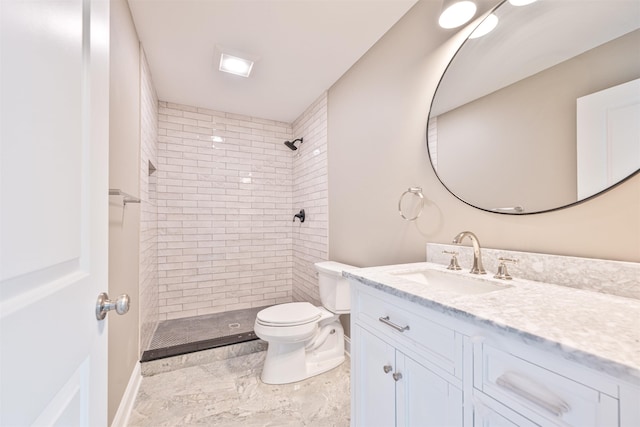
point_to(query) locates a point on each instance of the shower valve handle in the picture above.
(300, 215)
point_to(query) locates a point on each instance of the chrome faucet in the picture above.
(477, 256)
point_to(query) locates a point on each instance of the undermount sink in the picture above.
(450, 282)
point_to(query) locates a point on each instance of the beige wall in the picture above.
(124, 223)
(377, 116)
(532, 142)
(148, 281)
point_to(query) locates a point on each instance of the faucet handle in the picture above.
(453, 264)
(502, 268)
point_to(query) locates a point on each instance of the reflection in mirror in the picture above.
(543, 111)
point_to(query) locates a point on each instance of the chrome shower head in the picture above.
(291, 144)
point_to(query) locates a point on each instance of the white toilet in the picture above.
(305, 340)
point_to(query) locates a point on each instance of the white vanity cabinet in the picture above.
(544, 389)
(415, 366)
(406, 368)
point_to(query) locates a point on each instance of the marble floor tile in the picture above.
(229, 393)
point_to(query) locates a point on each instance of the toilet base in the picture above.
(288, 363)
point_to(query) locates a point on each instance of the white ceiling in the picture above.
(302, 46)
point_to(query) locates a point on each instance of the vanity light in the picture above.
(456, 12)
(235, 65)
(521, 2)
(485, 27)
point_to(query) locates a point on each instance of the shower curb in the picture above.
(173, 363)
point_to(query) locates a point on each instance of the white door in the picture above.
(54, 64)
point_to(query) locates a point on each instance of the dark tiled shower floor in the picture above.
(181, 336)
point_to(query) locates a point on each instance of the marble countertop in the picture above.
(598, 330)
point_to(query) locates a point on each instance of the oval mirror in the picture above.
(543, 111)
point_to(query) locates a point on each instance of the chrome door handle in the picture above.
(104, 304)
(397, 376)
(399, 328)
(387, 369)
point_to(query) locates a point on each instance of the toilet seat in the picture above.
(290, 314)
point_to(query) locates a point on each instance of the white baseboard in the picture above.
(121, 418)
(347, 345)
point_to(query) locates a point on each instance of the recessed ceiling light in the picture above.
(489, 23)
(235, 65)
(456, 12)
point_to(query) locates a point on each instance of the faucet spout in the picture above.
(477, 267)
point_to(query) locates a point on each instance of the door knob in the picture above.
(387, 369)
(397, 376)
(104, 304)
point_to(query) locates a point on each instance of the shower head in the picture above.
(291, 144)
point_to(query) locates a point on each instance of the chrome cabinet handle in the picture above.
(104, 304)
(399, 328)
(397, 376)
(533, 392)
(387, 369)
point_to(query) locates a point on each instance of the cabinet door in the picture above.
(489, 413)
(483, 417)
(423, 398)
(373, 388)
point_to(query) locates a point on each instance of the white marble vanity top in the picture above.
(598, 330)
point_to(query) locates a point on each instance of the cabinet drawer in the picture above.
(540, 394)
(411, 331)
(489, 413)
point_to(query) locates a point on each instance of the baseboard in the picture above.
(121, 418)
(347, 345)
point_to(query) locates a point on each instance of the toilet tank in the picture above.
(334, 289)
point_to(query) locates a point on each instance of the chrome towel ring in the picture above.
(416, 191)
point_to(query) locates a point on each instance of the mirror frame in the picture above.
(577, 202)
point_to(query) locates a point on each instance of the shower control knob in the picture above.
(397, 376)
(104, 304)
(387, 369)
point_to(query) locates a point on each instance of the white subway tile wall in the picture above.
(310, 192)
(148, 271)
(224, 211)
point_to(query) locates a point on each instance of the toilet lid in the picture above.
(290, 314)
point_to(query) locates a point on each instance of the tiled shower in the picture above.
(224, 212)
(218, 241)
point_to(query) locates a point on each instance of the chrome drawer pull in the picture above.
(388, 322)
(534, 393)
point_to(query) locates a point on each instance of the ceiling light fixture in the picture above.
(489, 23)
(235, 65)
(456, 13)
(521, 2)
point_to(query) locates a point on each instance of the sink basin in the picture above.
(454, 283)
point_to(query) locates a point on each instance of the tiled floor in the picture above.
(199, 328)
(230, 393)
(180, 336)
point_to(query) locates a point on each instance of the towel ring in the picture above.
(416, 191)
